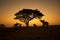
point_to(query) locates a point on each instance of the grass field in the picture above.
(30, 33)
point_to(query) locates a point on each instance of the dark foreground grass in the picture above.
(30, 33)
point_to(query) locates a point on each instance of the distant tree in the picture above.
(44, 23)
(20, 25)
(35, 25)
(26, 15)
(16, 25)
(2, 26)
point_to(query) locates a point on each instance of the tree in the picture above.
(16, 25)
(26, 15)
(44, 23)
(2, 26)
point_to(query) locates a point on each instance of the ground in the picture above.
(30, 33)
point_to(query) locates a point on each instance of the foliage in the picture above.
(26, 15)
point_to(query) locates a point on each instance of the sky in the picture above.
(50, 9)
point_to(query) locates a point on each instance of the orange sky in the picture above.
(50, 8)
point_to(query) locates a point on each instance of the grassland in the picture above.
(31, 33)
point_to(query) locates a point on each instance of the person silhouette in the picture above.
(44, 23)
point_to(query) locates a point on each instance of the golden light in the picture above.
(49, 8)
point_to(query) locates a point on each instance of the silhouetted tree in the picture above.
(16, 25)
(2, 26)
(26, 15)
(19, 25)
(44, 23)
(35, 25)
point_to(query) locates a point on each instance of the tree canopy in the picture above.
(25, 15)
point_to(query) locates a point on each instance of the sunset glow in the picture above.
(50, 9)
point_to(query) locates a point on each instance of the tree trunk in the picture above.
(27, 24)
